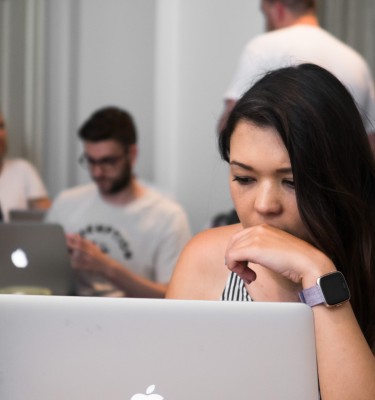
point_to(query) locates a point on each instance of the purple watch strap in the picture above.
(312, 296)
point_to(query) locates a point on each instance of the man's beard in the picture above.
(119, 184)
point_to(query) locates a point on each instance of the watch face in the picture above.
(334, 288)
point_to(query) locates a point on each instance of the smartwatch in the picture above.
(331, 289)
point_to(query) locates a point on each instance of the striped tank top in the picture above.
(235, 289)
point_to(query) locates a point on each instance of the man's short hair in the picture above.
(109, 123)
(297, 6)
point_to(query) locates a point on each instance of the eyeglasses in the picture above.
(105, 163)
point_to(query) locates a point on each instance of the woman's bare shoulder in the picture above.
(211, 244)
(200, 272)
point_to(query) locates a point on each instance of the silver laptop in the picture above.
(82, 348)
(34, 259)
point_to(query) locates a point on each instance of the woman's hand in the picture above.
(277, 250)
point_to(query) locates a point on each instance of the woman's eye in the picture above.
(289, 183)
(243, 180)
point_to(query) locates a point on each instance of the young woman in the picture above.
(302, 179)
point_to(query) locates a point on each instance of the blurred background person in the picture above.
(20, 184)
(124, 237)
(294, 36)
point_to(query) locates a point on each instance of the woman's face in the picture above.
(261, 179)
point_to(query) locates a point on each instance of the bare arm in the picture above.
(42, 203)
(200, 273)
(134, 285)
(86, 256)
(346, 365)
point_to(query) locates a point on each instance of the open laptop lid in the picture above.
(80, 348)
(34, 256)
(19, 215)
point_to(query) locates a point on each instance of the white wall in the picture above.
(99, 52)
(166, 61)
(199, 45)
(117, 65)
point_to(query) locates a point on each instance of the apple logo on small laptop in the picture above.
(19, 258)
(150, 395)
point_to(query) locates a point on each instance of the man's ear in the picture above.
(133, 153)
(280, 14)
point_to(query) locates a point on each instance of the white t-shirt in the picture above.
(146, 235)
(19, 183)
(304, 43)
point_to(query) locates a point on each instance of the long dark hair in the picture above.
(333, 168)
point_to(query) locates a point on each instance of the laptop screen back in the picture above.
(80, 348)
(18, 215)
(34, 256)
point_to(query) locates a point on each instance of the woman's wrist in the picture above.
(320, 265)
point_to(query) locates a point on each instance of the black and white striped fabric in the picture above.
(235, 289)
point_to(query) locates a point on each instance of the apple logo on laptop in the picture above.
(150, 395)
(19, 258)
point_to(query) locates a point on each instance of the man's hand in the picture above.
(86, 255)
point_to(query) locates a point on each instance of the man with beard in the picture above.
(20, 184)
(124, 238)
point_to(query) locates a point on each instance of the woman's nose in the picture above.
(267, 199)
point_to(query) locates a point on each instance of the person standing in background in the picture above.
(293, 37)
(124, 237)
(20, 184)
